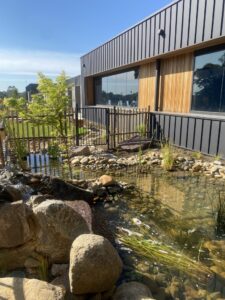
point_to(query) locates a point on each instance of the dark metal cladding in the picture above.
(181, 24)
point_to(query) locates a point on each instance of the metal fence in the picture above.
(194, 132)
(111, 126)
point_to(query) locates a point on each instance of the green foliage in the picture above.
(217, 157)
(48, 107)
(220, 215)
(141, 129)
(168, 157)
(14, 104)
(43, 268)
(197, 155)
(166, 255)
(54, 150)
(140, 153)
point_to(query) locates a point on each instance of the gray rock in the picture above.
(132, 291)
(29, 289)
(60, 225)
(84, 161)
(59, 269)
(93, 255)
(15, 224)
(81, 150)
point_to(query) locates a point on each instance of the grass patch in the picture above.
(23, 129)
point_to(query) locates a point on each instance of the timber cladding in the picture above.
(89, 86)
(176, 83)
(146, 92)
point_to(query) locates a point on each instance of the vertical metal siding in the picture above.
(144, 39)
(193, 22)
(209, 19)
(152, 37)
(167, 30)
(162, 26)
(140, 41)
(157, 25)
(148, 38)
(186, 22)
(217, 17)
(173, 27)
(179, 24)
(200, 21)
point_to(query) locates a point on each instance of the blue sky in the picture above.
(50, 35)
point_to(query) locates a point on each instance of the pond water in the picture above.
(178, 210)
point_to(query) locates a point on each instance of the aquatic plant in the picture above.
(220, 215)
(168, 157)
(197, 155)
(164, 254)
(43, 268)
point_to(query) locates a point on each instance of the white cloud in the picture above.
(23, 62)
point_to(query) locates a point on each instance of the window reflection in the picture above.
(119, 89)
(209, 82)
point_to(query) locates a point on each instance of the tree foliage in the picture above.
(49, 106)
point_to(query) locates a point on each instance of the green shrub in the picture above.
(168, 157)
(54, 150)
(141, 129)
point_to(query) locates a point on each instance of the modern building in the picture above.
(174, 63)
(73, 85)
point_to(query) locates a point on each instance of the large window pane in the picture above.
(119, 89)
(208, 82)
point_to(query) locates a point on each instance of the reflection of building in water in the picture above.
(167, 193)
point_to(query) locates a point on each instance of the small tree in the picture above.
(49, 106)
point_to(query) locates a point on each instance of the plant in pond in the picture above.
(197, 155)
(43, 268)
(166, 255)
(168, 157)
(217, 157)
(220, 215)
(141, 129)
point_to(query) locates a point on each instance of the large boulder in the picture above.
(106, 180)
(81, 151)
(60, 225)
(132, 291)
(95, 265)
(63, 190)
(16, 223)
(10, 193)
(83, 209)
(12, 288)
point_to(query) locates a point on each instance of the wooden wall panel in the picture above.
(146, 86)
(89, 91)
(176, 83)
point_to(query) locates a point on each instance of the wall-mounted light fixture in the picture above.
(162, 33)
(84, 66)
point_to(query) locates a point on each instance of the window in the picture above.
(209, 81)
(119, 89)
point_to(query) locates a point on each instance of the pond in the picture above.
(178, 214)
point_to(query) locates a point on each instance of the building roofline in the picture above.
(133, 26)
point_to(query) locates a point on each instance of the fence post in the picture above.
(107, 116)
(114, 127)
(77, 124)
